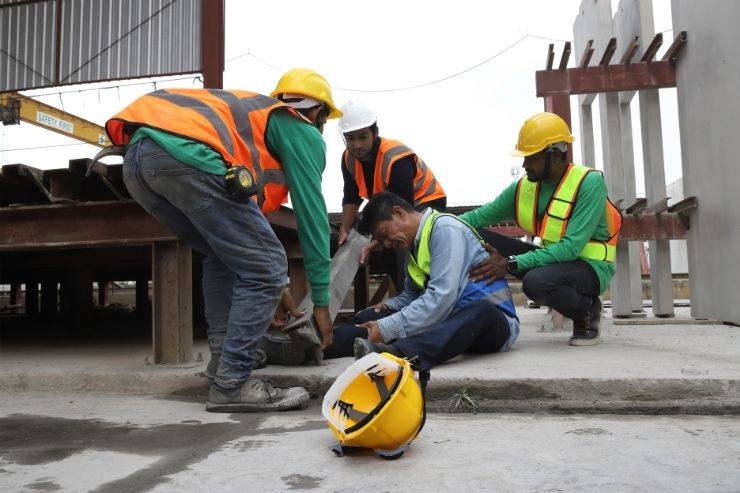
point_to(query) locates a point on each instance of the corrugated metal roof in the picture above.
(100, 40)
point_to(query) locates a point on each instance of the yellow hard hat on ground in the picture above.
(307, 83)
(540, 131)
(376, 404)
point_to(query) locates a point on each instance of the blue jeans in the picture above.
(244, 265)
(478, 327)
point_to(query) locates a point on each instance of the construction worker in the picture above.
(185, 147)
(372, 164)
(441, 312)
(566, 205)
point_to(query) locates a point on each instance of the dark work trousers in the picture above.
(568, 287)
(478, 327)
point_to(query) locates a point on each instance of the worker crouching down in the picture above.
(441, 313)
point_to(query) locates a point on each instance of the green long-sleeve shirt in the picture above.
(588, 221)
(302, 152)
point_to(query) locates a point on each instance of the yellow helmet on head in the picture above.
(540, 131)
(307, 82)
(376, 404)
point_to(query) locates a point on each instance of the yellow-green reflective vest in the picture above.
(418, 267)
(560, 208)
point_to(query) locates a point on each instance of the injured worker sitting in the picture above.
(441, 312)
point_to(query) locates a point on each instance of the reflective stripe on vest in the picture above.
(419, 267)
(559, 210)
(426, 186)
(232, 123)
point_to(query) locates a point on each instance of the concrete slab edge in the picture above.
(565, 395)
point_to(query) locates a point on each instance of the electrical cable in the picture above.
(415, 86)
(45, 147)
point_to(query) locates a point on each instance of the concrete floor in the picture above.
(690, 368)
(105, 443)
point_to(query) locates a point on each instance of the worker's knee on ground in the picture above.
(535, 286)
(343, 341)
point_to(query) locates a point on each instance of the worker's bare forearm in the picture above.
(349, 213)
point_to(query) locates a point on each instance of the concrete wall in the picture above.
(708, 83)
(679, 254)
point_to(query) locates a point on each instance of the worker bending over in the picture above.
(566, 205)
(441, 312)
(372, 164)
(183, 145)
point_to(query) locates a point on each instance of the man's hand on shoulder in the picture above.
(491, 269)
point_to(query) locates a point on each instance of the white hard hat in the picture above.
(356, 115)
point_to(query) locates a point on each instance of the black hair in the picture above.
(380, 208)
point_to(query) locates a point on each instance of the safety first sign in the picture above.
(56, 123)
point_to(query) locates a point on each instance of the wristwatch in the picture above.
(511, 266)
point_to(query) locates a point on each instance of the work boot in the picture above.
(363, 347)
(583, 332)
(282, 350)
(210, 371)
(255, 395)
(259, 361)
(596, 310)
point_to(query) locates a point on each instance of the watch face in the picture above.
(245, 178)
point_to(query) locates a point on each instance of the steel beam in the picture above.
(610, 78)
(172, 316)
(212, 43)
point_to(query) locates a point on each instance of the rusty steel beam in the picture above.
(612, 78)
(550, 56)
(629, 53)
(676, 48)
(90, 224)
(212, 43)
(93, 224)
(652, 48)
(643, 227)
(588, 52)
(611, 47)
(172, 316)
(565, 56)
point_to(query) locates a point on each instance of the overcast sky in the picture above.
(463, 127)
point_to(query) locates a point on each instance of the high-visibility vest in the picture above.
(418, 267)
(426, 186)
(551, 228)
(232, 123)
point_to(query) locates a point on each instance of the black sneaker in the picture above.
(583, 332)
(595, 312)
(282, 350)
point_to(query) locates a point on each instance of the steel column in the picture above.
(172, 316)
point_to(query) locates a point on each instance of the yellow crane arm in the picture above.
(51, 118)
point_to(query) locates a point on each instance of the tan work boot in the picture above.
(254, 396)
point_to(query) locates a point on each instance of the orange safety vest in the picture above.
(231, 123)
(426, 186)
(551, 228)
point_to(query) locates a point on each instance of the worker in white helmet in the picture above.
(372, 164)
